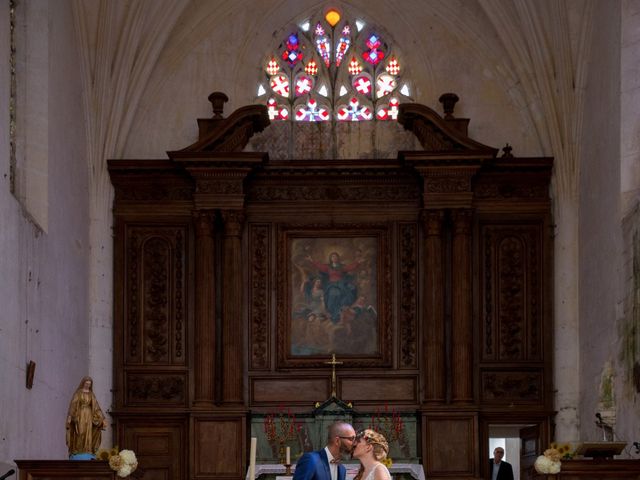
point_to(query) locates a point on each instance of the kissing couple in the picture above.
(368, 446)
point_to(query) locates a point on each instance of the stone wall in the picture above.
(599, 237)
(43, 274)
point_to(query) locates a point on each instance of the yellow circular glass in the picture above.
(332, 17)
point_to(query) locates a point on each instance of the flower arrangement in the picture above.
(106, 454)
(549, 463)
(281, 427)
(122, 462)
(564, 449)
(387, 462)
(388, 423)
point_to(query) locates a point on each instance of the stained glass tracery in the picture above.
(333, 69)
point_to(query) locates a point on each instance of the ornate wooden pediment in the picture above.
(442, 135)
(225, 135)
(436, 134)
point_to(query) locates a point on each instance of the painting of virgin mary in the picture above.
(333, 296)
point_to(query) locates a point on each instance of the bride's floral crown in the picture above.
(373, 438)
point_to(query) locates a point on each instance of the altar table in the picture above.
(414, 469)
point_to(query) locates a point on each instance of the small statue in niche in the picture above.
(607, 403)
(85, 422)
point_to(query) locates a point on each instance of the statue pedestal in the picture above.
(82, 456)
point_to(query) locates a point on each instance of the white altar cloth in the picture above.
(413, 469)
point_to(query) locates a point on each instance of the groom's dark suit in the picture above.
(505, 472)
(315, 466)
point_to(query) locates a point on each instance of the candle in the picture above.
(252, 458)
(288, 450)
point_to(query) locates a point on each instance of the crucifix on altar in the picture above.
(333, 364)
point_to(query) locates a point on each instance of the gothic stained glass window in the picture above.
(332, 68)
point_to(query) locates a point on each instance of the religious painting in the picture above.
(331, 288)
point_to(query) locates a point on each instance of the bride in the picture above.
(371, 448)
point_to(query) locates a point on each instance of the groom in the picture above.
(325, 464)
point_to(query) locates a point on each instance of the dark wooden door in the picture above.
(529, 450)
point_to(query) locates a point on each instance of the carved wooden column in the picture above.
(462, 327)
(232, 325)
(448, 355)
(204, 310)
(434, 331)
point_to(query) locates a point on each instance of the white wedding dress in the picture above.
(371, 475)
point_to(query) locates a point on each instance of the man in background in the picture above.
(500, 470)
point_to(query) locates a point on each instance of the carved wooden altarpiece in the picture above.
(207, 265)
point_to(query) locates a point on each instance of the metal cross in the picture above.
(333, 364)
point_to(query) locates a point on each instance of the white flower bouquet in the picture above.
(549, 463)
(123, 463)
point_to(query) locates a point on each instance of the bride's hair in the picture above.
(380, 447)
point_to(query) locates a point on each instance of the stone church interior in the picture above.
(247, 220)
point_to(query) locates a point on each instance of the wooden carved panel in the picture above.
(155, 295)
(512, 387)
(408, 310)
(155, 183)
(512, 188)
(376, 389)
(156, 388)
(348, 193)
(219, 446)
(511, 292)
(340, 186)
(295, 389)
(158, 446)
(259, 298)
(450, 444)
